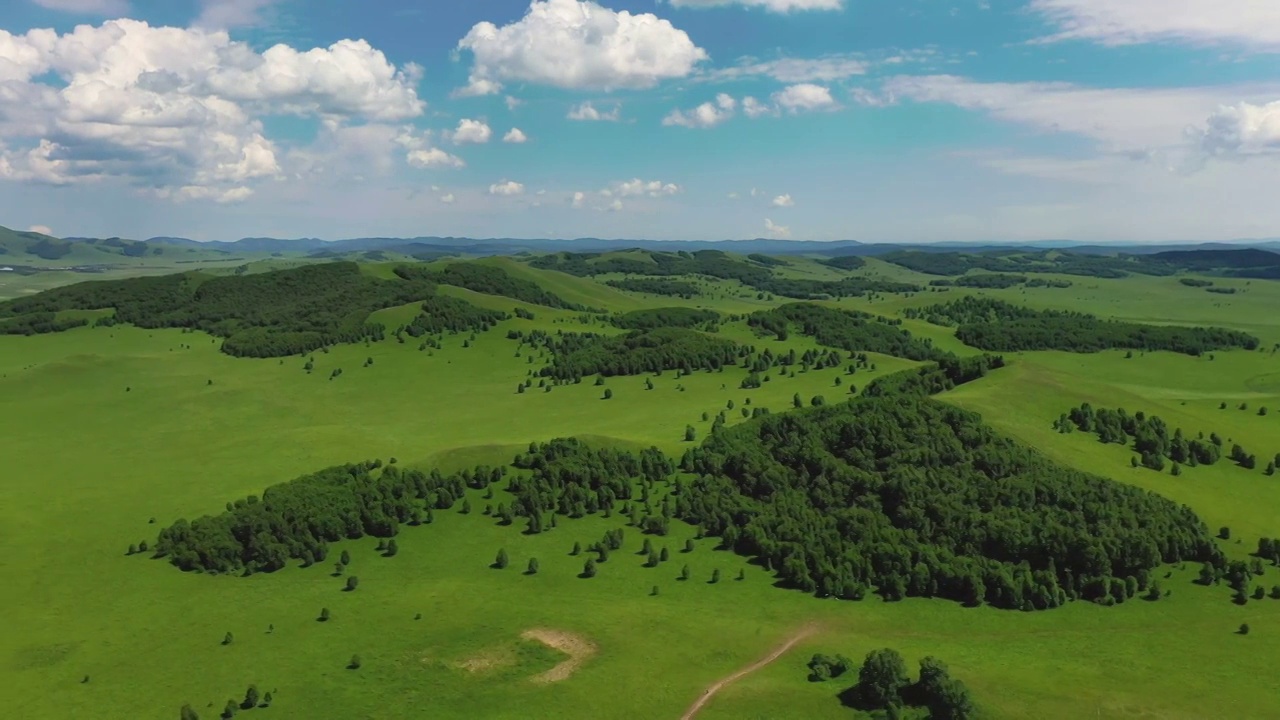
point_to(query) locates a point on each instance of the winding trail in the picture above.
(719, 685)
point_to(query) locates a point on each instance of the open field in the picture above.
(103, 429)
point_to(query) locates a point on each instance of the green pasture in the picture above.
(103, 429)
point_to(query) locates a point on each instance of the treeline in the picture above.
(667, 317)
(995, 325)
(768, 260)
(1150, 437)
(488, 280)
(1047, 261)
(38, 323)
(717, 264)
(844, 329)
(578, 355)
(671, 288)
(990, 281)
(844, 262)
(906, 496)
(945, 374)
(572, 479)
(298, 519)
(441, 314)
(884, 684)
(284, 312)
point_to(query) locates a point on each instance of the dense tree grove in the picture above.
(994, 281)
(441, 314)
(667, 317)
(486, 279)
(844, 329)
(671, 288)
(768, 260)
(38, 323)
(884, 684)
(577, 355)
(1150, 437)
(996, 325)
(272, 314)
(803, 289)
(844, 262)
(299, 518)
(1047, 261)
(570, 478)
(938, 377)
(910, 497)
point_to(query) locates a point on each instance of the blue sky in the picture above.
(908, 120)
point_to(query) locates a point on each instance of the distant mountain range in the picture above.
(15, 245)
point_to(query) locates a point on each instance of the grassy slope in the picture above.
(81, 486)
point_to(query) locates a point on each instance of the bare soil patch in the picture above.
(578, 648)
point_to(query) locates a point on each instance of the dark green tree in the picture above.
(882, 678)
(352, 583)
(188, 713)
(589, 568)
(354, 664)
(324, 615)
(250, 698)
(227, 639)
(501, 561)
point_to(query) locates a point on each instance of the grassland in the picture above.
(103, 429)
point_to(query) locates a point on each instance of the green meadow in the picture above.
(108, 434)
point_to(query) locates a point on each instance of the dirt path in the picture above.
(719, 685)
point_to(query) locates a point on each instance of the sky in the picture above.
(871, 120)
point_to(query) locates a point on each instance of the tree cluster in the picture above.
(299, 518)
(489, 280)
(441, 314)
(884, 684)
(910, 497)
(577, 355)
(844, 329)
(570, 478)
(667, 317)
(671, 288)
(844, 262)
(38, 323)
(995, 325)
(1150, 437)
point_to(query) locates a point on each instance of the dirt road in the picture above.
(719, 685)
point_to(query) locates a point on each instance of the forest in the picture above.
(488, 280)
(996, 325)
(577, 355)
(441, 314)
(667, 317)
(843, 329)
(671, 288)
(905, 496)
(844, 262)
(1003, 261)
(37, 323)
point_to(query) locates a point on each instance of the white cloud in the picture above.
(433, 158)
(447, 199)
(515, 135)
(1242, 128)
(794, 70)
(176, 111)
(1251, 23)
(706, 115)
(587, 111)
(506, 187)
(610, 197)
(783, 201)
(578, 45)
(638, 187)
(733, 196)
(223, 14)
(471, 131)
(87, 7)
(778, 6)
(579, 200)
(513, 102)
(753, 108)
(42, 229)
(805, 97)
(777, 231)
(1119, 119)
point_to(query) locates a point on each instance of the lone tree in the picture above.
(1244, 629)
(250, 698)
(352, 583)
(608, 394)
(589, 568)
(689, 433)
(684, 573)
(228, 639)
(188, 713)
(715, 576)
(392, 548)
(346, 558)
(229, 711)
(355, 663)
(688, 546)
(324, 615)
(882, 678)
(501, 561)
(577, 549)
(533, 567)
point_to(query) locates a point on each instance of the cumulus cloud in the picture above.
(777, 6)
(1251, 23)
(575, 44)
(515, 135)
(433, 158)
(471, 131)
(1241, 128)
(42, 229)
(588, 112)
(506, 187)
(804, 97)
(86, 7)
(706, 115)
(610, 197)
(753, 108)
(784, 201)
(447, 198)
(775, 230)
(513, 102)
(176, 110)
